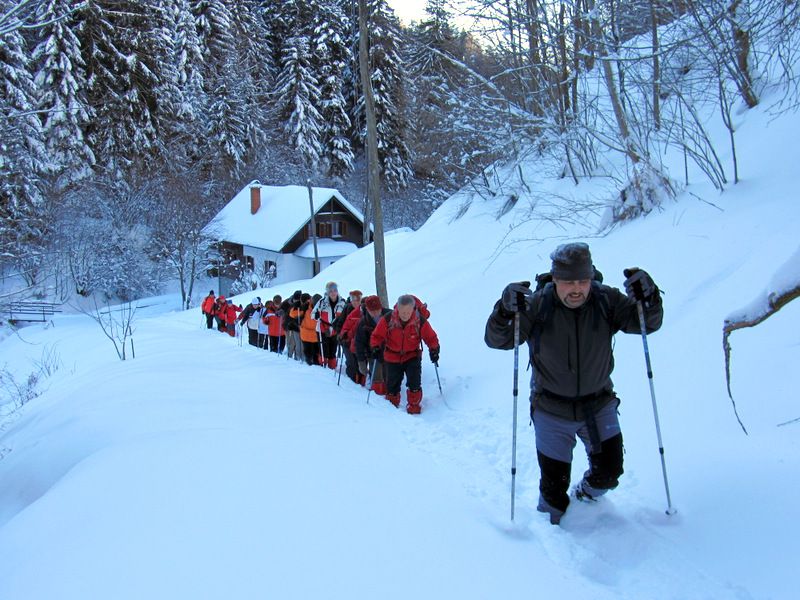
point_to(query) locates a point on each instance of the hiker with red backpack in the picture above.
(397, 339)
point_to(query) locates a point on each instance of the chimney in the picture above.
(255, 197)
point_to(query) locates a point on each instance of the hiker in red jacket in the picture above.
(398, 339)
(231, 310)
(207, 308)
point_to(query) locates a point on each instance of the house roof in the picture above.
(284, 210)
(326, 248)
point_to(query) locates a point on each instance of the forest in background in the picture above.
(126, 125)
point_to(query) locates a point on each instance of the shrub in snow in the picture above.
(646, 191)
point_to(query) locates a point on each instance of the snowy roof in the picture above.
(284, 210)
(326, 248)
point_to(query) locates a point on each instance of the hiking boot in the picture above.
(379, 388)
(579, 492)
(555, 515)
(414, 402)
(394, 399)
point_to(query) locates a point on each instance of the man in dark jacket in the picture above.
(368, 366)
(569, 326)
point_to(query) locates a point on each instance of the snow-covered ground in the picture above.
(205, 470)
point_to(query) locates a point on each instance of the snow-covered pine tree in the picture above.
(213, 20)
(227, 129)
(297, 94)
(182, 93)
(60, 80)
(331, 44)
(187, 53)
(21, 153)
(255, 68)
(387, 73)
(122, 63)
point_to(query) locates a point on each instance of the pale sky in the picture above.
(408, 10)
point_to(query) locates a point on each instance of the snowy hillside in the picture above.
(205, 470)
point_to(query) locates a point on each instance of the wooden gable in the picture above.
(334, 221)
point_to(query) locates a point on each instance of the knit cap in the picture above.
(373, 303)
(572, 262)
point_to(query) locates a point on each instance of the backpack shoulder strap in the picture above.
(543, 315)
(602, 304)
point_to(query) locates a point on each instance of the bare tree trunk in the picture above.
(374, 184)
(741, 48)
(532, 27)
(656, 66)
(613, 92)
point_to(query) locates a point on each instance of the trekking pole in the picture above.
(438, 381)
(321, 349)
(339, 380)
(516, 393)
(640, 307)
(369, 379)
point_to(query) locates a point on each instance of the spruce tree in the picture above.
(297, 93)
(330, 40)
(60, 80)
(122, 64)
(388, 82)
(22, 152)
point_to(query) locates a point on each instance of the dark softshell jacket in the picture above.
(574, 357)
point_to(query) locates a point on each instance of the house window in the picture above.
(339, 229)
(323, 230)
(249, 263)
(270, 270)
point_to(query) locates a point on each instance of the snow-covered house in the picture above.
(267, 231)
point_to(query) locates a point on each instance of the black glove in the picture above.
(434, 354)
(517, 297)
(376, 353)
(639, 285)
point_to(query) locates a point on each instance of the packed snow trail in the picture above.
(208, 471)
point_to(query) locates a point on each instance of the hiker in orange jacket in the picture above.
(207, 308)
(308, 330)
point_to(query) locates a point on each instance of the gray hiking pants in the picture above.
(557, 437)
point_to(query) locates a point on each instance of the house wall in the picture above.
(288, 266)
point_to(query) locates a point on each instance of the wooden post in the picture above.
(316, 268)
(374, 185)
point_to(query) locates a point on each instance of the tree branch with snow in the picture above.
(782, 289)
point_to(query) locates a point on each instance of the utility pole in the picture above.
(313, 226)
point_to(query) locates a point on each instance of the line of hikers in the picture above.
(381, 346)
